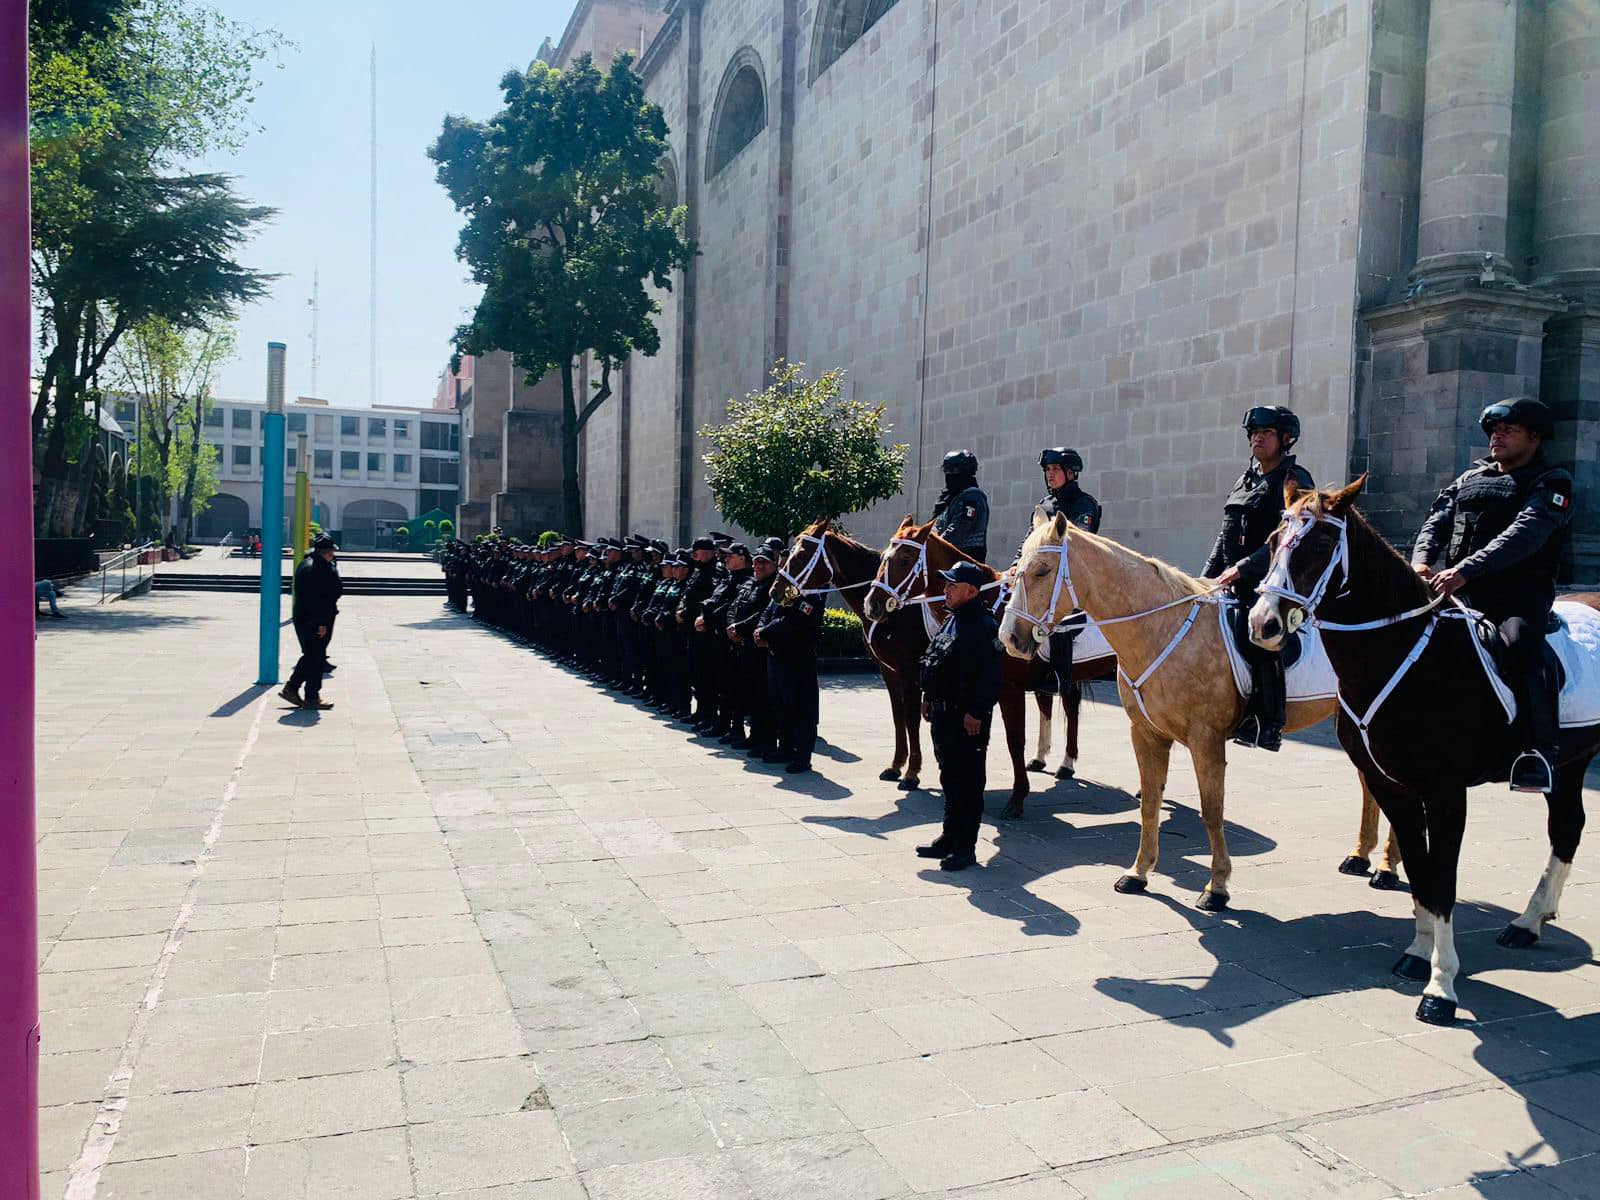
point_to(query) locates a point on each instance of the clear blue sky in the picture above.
(309, 160)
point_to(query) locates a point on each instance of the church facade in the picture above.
(1117, 225)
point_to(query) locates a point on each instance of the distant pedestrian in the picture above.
(317, 588)
(45, 589)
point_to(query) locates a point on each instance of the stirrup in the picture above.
(1531, 773)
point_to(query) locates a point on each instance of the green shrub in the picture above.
(841, 634)
(548, 538)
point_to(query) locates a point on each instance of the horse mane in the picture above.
(1379, 566)
(1178, 581)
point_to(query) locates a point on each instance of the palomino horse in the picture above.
(908, 579)
(1431, 725)
(1173, 673)
(823, 560)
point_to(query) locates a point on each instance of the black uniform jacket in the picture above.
(961, 666)
(317, 588)
(1249, 515)
(791, 630)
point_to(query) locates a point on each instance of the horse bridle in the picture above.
(900, 593)
(1279, 582)
(1043, 625)
(802, 585)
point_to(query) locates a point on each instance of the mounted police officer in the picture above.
(960, 686)
(1498, 532)
(1064, 497)
(961, 515)
(1240, 558)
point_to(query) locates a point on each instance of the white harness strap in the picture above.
(900, 593)
(1364, 720)
(1042, 626)
(1136, 685)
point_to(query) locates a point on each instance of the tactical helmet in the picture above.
(1272, 416)
(960, 462)
(1533, 415)
(1061, 456)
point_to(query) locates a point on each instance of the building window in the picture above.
(297, 422)
(377, 429)
(441, 435)
(324, 428)
(430, 500)
(289, 458)
(375, 464)
(322, 464)
(440, 470)
(127, 413)
(402, 431)
(241, 457)
(349, 428)
(740, 112)
(402, 464)
(241, 418)
(349, 464)
(213, 418)
(840, 25)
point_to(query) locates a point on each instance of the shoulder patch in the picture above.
(1087, 520)
(972, 511)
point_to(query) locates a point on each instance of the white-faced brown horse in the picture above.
(1419, 716)
(908, 579)
(1173, 673)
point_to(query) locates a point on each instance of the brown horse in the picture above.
(1431, 722)
(1174, 677)
(908, 579)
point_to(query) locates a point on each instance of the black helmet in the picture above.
(1533, 415)
(960, 462)
(324, 541)
(1272, 416)
(1061, 456)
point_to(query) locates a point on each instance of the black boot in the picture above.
(1262, 727)
(1534, 768)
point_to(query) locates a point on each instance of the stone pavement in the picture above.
(483, 931)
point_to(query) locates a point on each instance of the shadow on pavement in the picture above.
(229, 707)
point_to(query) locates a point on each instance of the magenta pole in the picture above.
(19, 902)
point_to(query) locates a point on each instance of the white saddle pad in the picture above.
(1577, 645)
(1311, 678)
(1089, 644)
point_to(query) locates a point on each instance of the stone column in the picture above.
(1567, 228)
(1466, 138)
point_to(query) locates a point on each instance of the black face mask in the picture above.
(955, 484)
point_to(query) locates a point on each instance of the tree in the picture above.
(796, 452)
(121, 94)
(564, 226)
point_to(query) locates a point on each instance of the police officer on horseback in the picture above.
(1498, 532)
(1064, 497)
(1240, 558)
(961, 515)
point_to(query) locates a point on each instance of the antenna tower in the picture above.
(372, 316)
(316, 353)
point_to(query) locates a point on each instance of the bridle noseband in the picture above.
(900, 593)
(1043, 625)
(1306, 605)
(802, 585)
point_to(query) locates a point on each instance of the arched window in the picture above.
(740, 112)
(840, 24)
(667, 182)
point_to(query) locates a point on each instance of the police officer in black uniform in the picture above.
(789, 632)
(1064, 497)
(961, 515)
(960, 685)
(749, 661)
(317, 588)
(1240, 559)
(1498, 532)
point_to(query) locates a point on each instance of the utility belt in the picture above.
(942, 707)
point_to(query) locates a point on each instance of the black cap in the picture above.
(1533, 415)
(767, 552)
(966, 572)
(776, 544)
(703, 543)
(660, 547)
(721, 539)
(324, 541)
(740, 549)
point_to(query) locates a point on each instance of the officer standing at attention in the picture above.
(1498, 531)
(960, 685)
(750, 666)
(961, 515)
(789, 632)
(1240, 559)
(1064, 497)
(317, 588)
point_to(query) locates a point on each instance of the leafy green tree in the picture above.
(122, 95)
(798, 451)
(564, 228)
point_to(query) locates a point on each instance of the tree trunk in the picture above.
(186, 511)
(571, 490)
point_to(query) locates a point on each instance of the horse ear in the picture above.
(1340, 502)
(1038, 516)
(1291, 489)
(1060, 525)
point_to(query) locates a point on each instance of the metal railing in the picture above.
(114, 581)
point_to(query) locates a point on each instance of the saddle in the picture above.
(1308, 675)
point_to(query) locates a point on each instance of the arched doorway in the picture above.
(359, 527)
(223, 515)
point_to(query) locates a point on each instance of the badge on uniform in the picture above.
(1087, 521)
(972, 511)
(1559, 499)
(806, 608)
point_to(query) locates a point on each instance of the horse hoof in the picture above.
(1035, 764)
(909, 784)
(1355, 865)
(1130, 885)
(1436, 1010)
(1065, 772)
(1012, 811)
(889, 773)
(1516, 937)
(1384, 881)
(1412, 966)
(1212, 901)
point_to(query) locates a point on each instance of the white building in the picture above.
(366, 465)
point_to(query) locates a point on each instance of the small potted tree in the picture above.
(402, 538)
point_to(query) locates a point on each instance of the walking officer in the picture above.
(1240, 559)
(960, 685)
(317, 588)
(961, 515)
(1498, 532)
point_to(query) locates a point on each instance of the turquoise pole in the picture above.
(272, 514)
